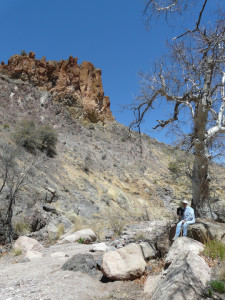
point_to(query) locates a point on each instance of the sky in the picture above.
(111, 34)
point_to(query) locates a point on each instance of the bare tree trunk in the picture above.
(200, 174)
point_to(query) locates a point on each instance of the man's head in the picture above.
(185, 203)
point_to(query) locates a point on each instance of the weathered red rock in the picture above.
(65, 80)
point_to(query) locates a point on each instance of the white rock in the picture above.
(87, 235)
(33, 255)
(59, 254)
(180, 245)
(125, 263)
(151, 284)
(27, 244)
(148, 250)
(99, 247)
(185, 278)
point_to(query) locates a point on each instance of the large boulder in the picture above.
(124, 264)
(185, 278)
(27, 244)
(87, 236)
(182, 244)
(203, 230)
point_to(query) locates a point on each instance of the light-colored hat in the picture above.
(185, 201)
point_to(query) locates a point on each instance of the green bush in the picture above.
(218, 286)
(26, 135)
(34, 138)
(47, 139)
(215, 249)
(174, 167)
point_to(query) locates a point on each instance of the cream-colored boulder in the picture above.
(180, 245)
(27, 244)
(87, 236)
(124, 264)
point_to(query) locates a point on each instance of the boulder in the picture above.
(181, 245)
(27, 244)
(99, 247)
(203, 230)
(185, 278)
(86, 235)
(31, 255)
(124, 264)
(82, 262)
(148, 250)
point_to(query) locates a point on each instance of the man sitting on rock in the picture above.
(188, 218)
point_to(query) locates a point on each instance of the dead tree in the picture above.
(192, 81)
(15, 173)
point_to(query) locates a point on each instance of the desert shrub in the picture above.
(174, 167)
(116, 221)
(218, 286)
(47, 139)
(81, 241)
(33, 137)
(22, 228)
(26, 135)
(6, 126)
(16, 252)
(215, 249)
(61, 230)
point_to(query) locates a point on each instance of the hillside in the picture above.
(101, 170)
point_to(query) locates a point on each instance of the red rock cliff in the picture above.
(77, 87)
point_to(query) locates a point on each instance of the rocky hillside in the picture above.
(102, 173)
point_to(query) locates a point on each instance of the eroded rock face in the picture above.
(78, 87)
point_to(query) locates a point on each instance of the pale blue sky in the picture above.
(109, 33)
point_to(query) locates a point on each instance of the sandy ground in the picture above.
(43, 279)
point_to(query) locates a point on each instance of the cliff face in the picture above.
(79, 88)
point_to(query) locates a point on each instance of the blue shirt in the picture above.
(189, 214)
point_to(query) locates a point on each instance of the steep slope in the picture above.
(101, 170)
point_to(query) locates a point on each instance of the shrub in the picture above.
(47, 139)
(61, 230)
(218, 286)
(174, 167)
(16, 252)
(33, 137)
(22, 228)
(215, 249)
(116, 221)
(81, 241)
(26, 135)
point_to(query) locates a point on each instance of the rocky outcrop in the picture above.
(79, 88)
